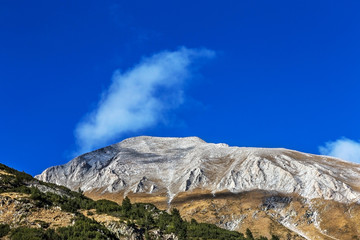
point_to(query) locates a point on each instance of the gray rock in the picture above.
(173, 165)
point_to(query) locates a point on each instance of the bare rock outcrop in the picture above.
(174, 165)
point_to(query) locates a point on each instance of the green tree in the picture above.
(126, 206)
(178, 225)
(4, 230)
(80, 191)
(274, 237)
(24, 233)
(249, 235)
(193, 221)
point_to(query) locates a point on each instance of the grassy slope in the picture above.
(31, 210)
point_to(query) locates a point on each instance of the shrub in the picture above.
(249, 234)
(85, 228)
(4, 230)
(126, 206)
(211, 231)
(274, 237)
(24, 233)
(106, 206)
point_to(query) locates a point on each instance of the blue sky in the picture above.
(77, 75)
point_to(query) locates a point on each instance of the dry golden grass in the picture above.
(229, 207)
(102, 218)
(203, 206)
(15, 195)
(54, 216)
(336, 220)
(16, 213)
(159, 200)
(340, 220)
(2, 172)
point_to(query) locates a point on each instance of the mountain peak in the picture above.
(169, 166)
(157, 141)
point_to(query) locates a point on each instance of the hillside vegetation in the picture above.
(32, 209)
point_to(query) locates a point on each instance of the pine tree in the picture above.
(249, 235)
(126, 206)
(274, 237)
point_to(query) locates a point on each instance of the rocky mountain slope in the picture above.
(290, 191)
(32, 210)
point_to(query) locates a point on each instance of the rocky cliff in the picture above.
(175, 165)
(31, 209)
(285, 192)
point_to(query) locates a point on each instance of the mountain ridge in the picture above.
(276, 191)
(32, 209)
(173, 165)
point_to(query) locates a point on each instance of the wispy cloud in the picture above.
(138, 97)
(343, 148)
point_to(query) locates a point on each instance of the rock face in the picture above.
(122, 231)
(169, 166)
(271, 191)
(17, 210)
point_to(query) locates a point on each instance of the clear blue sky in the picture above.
(284, 73)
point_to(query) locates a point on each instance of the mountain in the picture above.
(35, 210)
(274, 191)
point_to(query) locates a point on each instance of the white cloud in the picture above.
(138, 97)
(343, 148)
